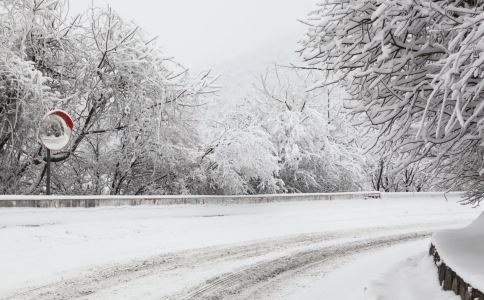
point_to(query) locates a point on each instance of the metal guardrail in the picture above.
(109, 200)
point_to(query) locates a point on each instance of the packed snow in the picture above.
(401, 272)
(195, 249)
(462, 250)
(415, 277)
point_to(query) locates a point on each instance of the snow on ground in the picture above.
(194, 249)
(394, 273)
(415, 277)
(462, 250)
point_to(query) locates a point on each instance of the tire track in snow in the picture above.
(103, 277)
(232, 284)
(97, 279)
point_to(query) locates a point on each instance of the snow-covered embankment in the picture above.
(459, 255)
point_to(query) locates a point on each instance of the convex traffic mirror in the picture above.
(55, 130)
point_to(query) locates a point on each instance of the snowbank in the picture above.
(462, 250)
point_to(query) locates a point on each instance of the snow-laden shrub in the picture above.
(244, 161)
(313, 158)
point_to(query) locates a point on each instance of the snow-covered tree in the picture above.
(243, 160)
(284, 139)
(415, 69)
(414, 178)
(131, 104)
(314, 140)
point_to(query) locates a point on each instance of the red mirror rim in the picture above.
(64, 115)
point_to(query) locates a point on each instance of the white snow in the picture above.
(463, 251)
(379, 11)
(413, 278)
(402, 272)
(43, 245)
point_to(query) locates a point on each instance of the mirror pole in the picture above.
(48, 172)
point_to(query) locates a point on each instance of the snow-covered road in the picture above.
(260, 251)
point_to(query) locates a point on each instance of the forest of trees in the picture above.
(387, 96)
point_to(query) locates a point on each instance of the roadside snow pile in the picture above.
(414, 278)
(463, 251)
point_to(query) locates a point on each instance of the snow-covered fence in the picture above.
(451, 281)
(458, 253)
(106, 200)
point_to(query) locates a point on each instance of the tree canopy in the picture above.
(129, 101)
(415, 70)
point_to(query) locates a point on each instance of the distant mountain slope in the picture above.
(238, 75)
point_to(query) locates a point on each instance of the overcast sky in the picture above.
(205, 33)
